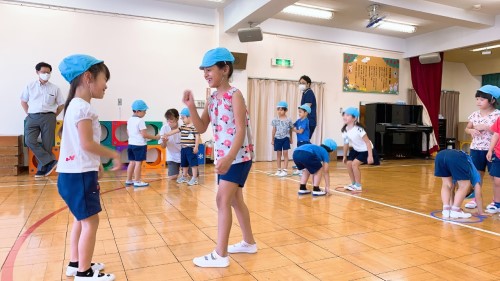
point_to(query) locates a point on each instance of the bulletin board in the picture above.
(369, 74)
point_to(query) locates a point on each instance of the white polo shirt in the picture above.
(173, 144)
(134, 127)
(42, 98)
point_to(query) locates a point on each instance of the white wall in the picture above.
(153, 61)
(456, 77)
(322, 62)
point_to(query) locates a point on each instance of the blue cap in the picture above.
(74, 65)
(494, 91)
(216, 55)
(139, 105)
(185, 112)
(330, 144)
(282, 104)
(306, 108)
(351, 111)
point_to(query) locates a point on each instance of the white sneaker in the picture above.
(346, 187)
(140, 184)
(319, 193)
(182, 179)
(471, 204)
(445, 213)
(459, 214)
(71, 271)
(492, 209)
(278, 173)
(96, 277)
(354, 187)
(127, 182)
(211, 260)
(304, 191)
(242, 247)
(296, 172)
(193, 181)
(283, 173)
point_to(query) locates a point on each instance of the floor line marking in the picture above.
(401, 209)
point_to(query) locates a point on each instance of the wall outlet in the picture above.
(119, 101)
(199, 103)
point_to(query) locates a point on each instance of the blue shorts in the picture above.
(281, 144)
(188, 158)
(300, 143)
(81, 193)
(237, 173)
(362, 156)
(137, 152)
(479, 159)
(495, 166)
(452, 163)
(307, 160)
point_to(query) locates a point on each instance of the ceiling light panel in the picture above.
(396, 26)
(309, 11)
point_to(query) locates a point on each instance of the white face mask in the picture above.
(302, 87)
(44, 76)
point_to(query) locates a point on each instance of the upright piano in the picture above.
(396, 128)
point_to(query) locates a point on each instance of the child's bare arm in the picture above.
(145, 135)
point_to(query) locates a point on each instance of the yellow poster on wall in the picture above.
(369, 74)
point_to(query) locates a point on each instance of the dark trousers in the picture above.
(44, 125)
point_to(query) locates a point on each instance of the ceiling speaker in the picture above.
(240, 60)
(250, 34)
(429, 58)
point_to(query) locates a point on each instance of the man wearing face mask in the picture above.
(42, 101)
(308, 98)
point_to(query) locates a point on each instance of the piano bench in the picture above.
(461, 145)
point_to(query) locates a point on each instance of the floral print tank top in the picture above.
(224, 127)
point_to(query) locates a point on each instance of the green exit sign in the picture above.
(282, 62)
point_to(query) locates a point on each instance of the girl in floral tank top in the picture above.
(227, 112)
(224, 127)
(479, 127)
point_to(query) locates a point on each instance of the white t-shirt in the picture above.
(173, 144)
(134, 127)
(354, 136)
(72, 158)
(42, 98)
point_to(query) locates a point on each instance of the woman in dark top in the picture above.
(309, 99)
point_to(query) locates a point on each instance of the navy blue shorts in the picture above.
(495, 166)
(479, 159)
(300, 143)
(81, 193)
(281, 144)
(363, 156)
(452, 163)
(237, 173)
(137, 152)
(188, 158)
(307, 160)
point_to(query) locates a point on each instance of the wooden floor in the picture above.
(387, 232)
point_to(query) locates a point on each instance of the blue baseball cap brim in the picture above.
(216, 55)
(74, 65)
(352, 111)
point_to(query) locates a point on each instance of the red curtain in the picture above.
(426, 79)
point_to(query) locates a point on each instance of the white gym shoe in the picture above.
(140, 184)
(304, 191)
(283, 173)
(346, 187)
(296, 172)
(211, 260)
(242, 247)
(446, 212)
(96, 277)
(71, 271)
(319, 193)
(354, 187)
(182, 179)
(278, 173)
(459, 214)
(193, 181)
(492, 209)
(471, 204)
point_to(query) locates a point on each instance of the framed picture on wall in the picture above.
(369, 74)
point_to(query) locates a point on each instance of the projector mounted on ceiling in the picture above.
(250, 34)
(375, 18)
